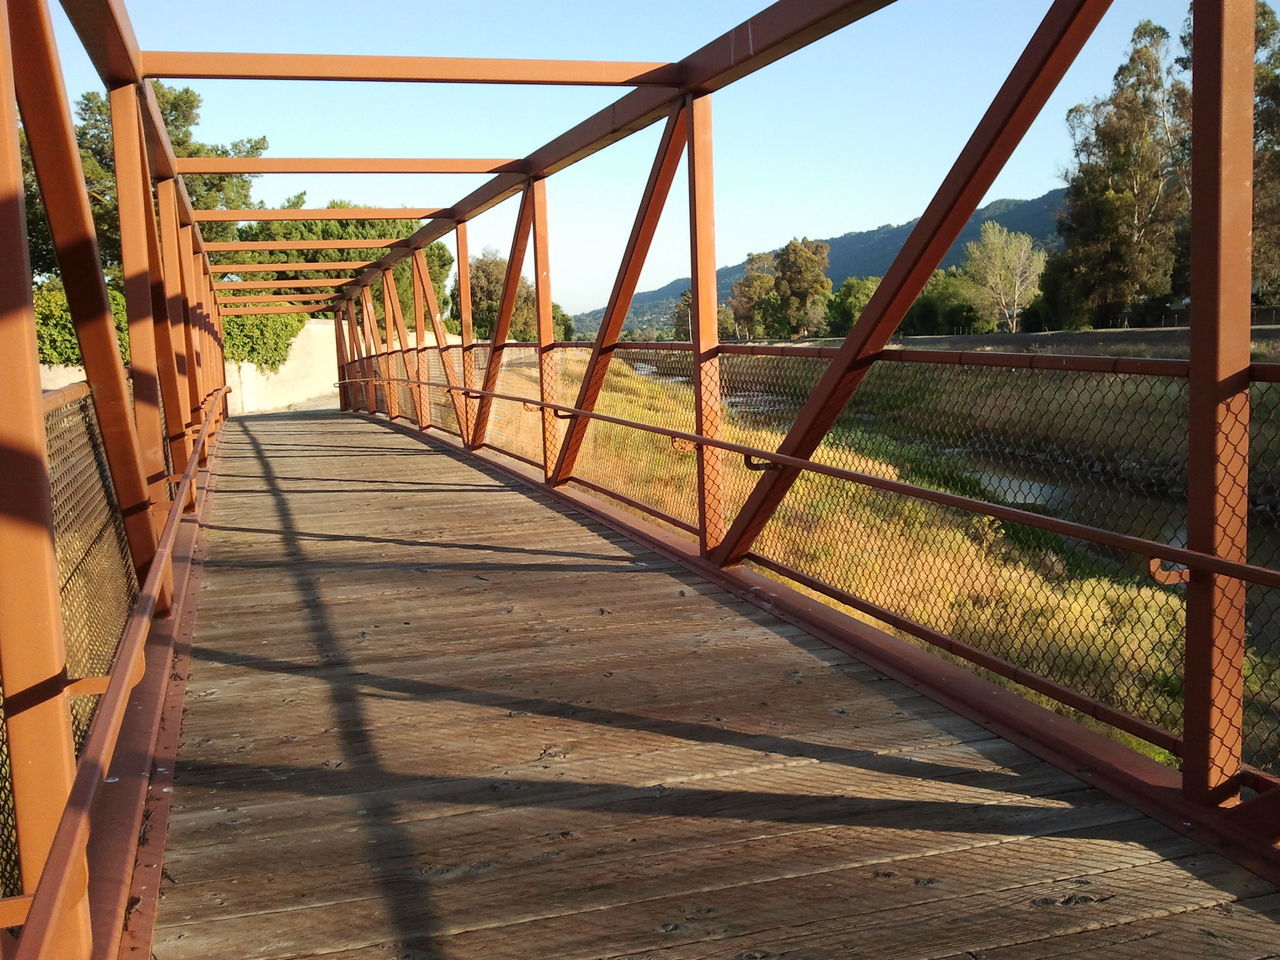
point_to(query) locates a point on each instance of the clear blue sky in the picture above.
(852, 132)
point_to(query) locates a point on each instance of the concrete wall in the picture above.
(308, 374)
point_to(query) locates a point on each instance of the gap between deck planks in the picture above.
(434, 714)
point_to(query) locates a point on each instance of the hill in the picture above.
(860, 254)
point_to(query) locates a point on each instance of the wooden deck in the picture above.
(434, 714)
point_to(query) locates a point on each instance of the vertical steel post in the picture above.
(133, 197)
(32, 655)
(359, 336)
(546, 324)
(341, 350)
(506, 310)
(702, 324)
(1218, 437)
(175, 296)
(56, 159)
(422, 274)
(467, 327)
(189, 329)
(395, 313)
(421, 395)
(378, 352)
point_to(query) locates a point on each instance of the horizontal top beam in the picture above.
(324, 213)
(310, 66)
(354, 243)
(225, 165)
(281, 284)
(256, 311)
(229, 300)
(778, 30)
(285, 267)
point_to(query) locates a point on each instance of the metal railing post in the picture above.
(1218, 436)
(546, 325)
(467, 327)
(703, 325)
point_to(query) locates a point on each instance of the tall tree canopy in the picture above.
(180, 108)
(783, 295)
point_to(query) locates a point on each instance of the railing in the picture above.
(997, 508)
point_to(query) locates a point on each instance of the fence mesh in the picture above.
(514, 427)
(1262, 604)
(96, 579)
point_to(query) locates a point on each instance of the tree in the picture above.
(947, 305)
(1006, 268)
(181, 111)
(848, 303)
(488, 277)
(1129, 189)
(754, 298)
(1266, 184)
(680, 317)
(802, 286)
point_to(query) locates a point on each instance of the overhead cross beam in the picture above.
(321, 266)
(298, 66)
(273, 284)
(770, 35)
(229, 165)
(354, 243)
(326, 213)
(274, 298)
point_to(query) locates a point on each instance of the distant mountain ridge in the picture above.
(865, 253)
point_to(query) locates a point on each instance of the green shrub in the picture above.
(262, 340)
(56, 335)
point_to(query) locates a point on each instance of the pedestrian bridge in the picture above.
(615, 649)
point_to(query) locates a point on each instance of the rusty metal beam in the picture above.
(230, 301)
(703, 328)
(506, 310)
(424, 289)
(776, 31)
(1218, 436)
(324, 213)
(263, 311)
(255, 165)
(355, 243)
(545, 323)
(466, 326)
(274, 284)
(296, 66)
(32, 649)
(318, 267)
(1051, 50)
(670, 150)
(56, 157)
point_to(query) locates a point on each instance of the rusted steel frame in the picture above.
(1145, 784)
(421, 402)
(364, 350)
(1153, 367)
(32, 650)
(394, 312)
(545, 322)
(56, 159)
(323, 213)
(1090, 706)
(377, 348)
(230, 301)
(276, 308)
(279, 284)
(661, 174)
(302, 66)
(1264, 372)
(703, 324)
(255, 165)
(320, 267)
(1052, 49)
(1218, 428)
(133, 197)
(422, 276)
(341, 350)
(63, 880)
(1263, 576)
(466, 328)
(770, 35)
(218, 246)
(191, 316)
(506, 310)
